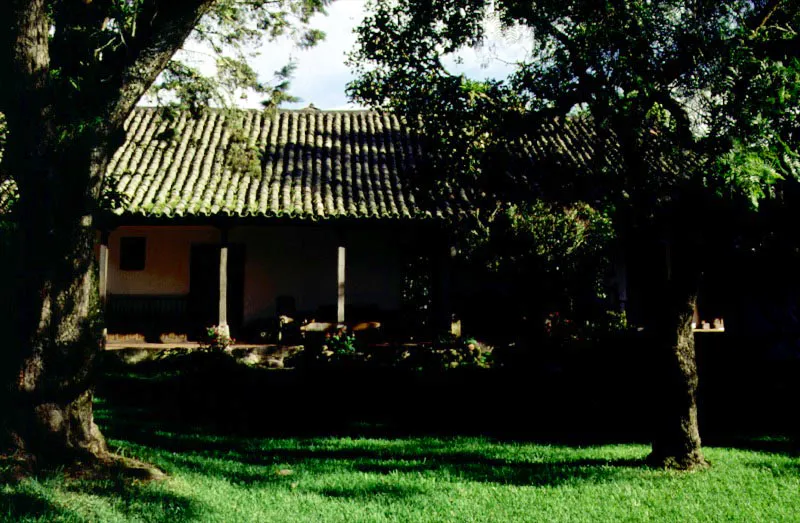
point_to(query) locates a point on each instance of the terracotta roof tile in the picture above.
(308, 164)
(301, 164)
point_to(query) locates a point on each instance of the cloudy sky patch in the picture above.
(321, 74)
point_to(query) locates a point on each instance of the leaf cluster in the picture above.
(714, 80)
(568, 247)
(225, 41)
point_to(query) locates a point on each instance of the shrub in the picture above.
(448, 352)
(339, 345)
(218, 338)
(465, 352)
(562, 330)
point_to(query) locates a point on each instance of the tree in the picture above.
(73, 71)
(693, 107)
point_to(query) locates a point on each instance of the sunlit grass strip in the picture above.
(414, 479)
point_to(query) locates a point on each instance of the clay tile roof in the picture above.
(307, 164)
(314, 165)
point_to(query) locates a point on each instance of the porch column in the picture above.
(103, 269)
(223, 278)
(340, 282)
(102, 284)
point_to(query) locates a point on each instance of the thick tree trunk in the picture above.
(53, 323)
(56, 333)
(676, 439)
(61, 135)
(676, 442)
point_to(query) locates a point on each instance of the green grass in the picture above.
(228, 479)
(217, 476)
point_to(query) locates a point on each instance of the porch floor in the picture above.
(117, 345)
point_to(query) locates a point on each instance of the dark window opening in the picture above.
(132, 253)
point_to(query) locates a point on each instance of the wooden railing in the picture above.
(150, 315)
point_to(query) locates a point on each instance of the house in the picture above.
(235, 218)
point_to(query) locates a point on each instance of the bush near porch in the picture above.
(582, 390)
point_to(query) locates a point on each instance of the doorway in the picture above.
(204, 288)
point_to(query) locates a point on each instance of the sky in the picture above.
(321, 73)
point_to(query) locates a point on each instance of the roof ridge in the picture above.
(313, 110)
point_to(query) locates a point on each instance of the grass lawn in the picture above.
(206, 425)
(215, 478)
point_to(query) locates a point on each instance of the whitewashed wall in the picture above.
(166, 259)
(297, 261)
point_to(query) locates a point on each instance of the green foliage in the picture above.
(90, 42)
(235, 30)
(558, 257)
(451, 353)
(563, 330)
(338, 348)
(339, 344)
(713, 79)
(8, 196)
(218, 338)
(416, 293)
(514, 236)
(753, 169)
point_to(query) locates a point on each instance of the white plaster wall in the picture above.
(292, 261)
(297, 261)
(301, 261)
(166, 269)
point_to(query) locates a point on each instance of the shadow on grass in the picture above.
(774, 445)
(207, 406)
(545, 474)
(21, 506)
(140, 501)
(385, 403)
(51, 496)
(179, 448)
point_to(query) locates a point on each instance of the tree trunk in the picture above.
(676, 441)
(52, 331)
(61, 135)
(56, 331)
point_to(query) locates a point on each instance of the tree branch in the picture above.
(756, 22)
(162, 30)
(26, 60)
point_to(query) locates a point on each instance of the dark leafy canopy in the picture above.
(717, 79)
(105, 54)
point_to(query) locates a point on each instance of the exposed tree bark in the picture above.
(676, 438)
(54, 332)
(56, 315)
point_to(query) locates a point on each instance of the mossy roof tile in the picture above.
(303, 164)
(311, 164)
